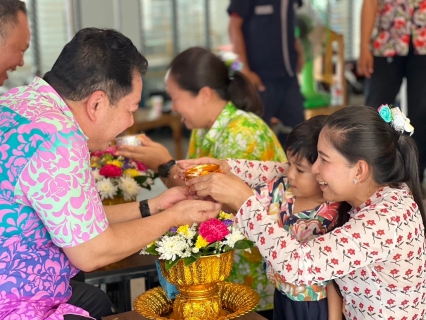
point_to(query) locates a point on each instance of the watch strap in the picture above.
(144, 208)
(164, 169)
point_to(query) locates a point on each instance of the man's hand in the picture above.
(194, 211)
(169, 198)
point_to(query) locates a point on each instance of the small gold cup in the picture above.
(202, 170)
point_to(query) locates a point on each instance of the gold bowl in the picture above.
(236, 300)
(201, 170)
(207, 269)
(198, 296)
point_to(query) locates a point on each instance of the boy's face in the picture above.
(302, 181)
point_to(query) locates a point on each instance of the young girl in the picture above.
(296, 202)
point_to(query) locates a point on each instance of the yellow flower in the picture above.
(116, 163)
(201, 242)
(131, 173)
(183, 230)
(151, 244)
(225, 216)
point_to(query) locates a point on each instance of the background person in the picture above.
(14, 36)
(263, 36)
(396, 50)
(52, 221)
(378, 257)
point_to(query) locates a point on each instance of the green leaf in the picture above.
(170, 263)
(140, 179)
(189, 260)
(152, 250)
(244, 244)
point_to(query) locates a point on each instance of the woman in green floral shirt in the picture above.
(222, 108)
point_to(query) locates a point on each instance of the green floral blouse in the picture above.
(241, 135)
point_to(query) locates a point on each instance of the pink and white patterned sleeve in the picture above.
(58, 184)
(254, 172)
(367, 238)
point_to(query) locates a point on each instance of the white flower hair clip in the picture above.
(396, 118)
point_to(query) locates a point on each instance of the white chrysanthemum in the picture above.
(129, 187)
(106, 189)
(234, 236)
(97, 175)
(172, 247)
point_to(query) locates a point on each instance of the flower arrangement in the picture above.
(190, 243)
(116, 176)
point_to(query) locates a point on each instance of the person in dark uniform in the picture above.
(262, 33)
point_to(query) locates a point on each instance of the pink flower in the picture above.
(110, 171)
(141, 166)
(213, 230)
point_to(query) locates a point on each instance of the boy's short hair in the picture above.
(302, 141)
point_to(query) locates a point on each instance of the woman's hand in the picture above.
(225, 188)
(183, 165)
(151, 153)
(365, 65)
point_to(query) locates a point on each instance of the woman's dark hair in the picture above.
(359, 133)
(197, 67)
(96, 59)
(302, 143)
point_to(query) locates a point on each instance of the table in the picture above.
(172, 120)
(134, 266)
(133, 315)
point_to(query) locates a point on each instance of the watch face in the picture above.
(164, 169)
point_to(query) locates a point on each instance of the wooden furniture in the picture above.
(329, 66)
(134, 266)
(309, 113)
(172, 120)
(133, 315)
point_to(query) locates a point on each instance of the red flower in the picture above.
(141, 166)
(110, 171)
(213, 230)
(262, 240)
(288, 267)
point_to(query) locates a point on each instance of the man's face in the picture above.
(117, 118)
(12, 50)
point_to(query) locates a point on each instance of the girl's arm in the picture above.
(254, 172)
(335, 302)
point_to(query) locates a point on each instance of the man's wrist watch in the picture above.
(164, 169)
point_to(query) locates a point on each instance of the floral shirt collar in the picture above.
(46, 90)
(212, 135)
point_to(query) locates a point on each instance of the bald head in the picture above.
(14, 36)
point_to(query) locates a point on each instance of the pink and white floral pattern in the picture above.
(48, 200)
